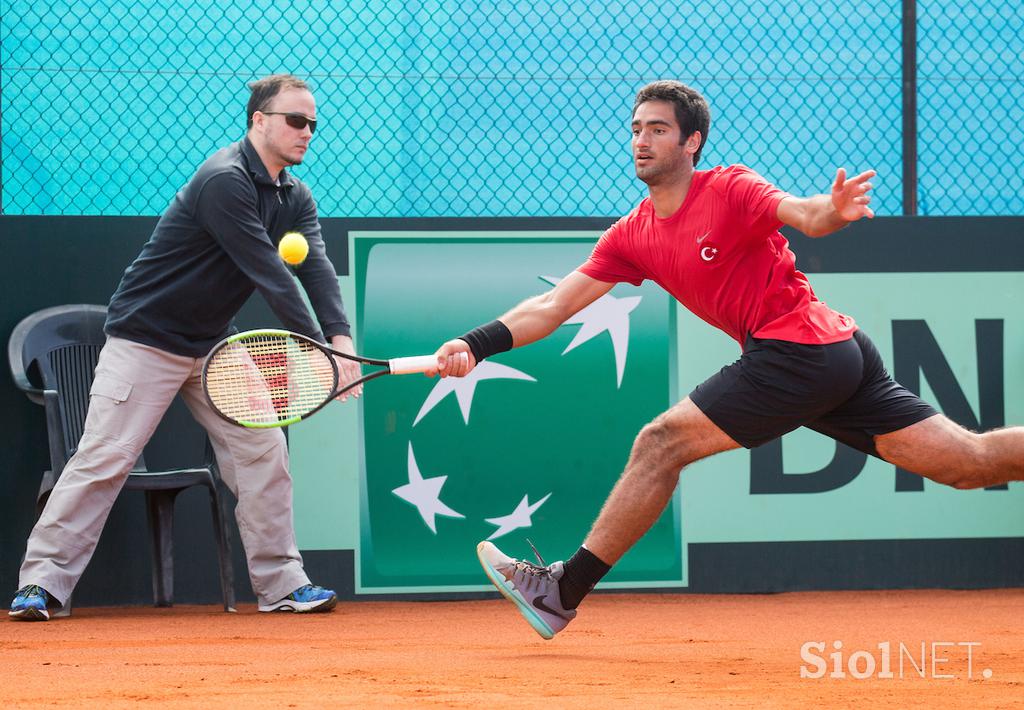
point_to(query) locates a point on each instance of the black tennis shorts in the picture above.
(841, 390)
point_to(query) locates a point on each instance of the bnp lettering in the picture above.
(916, 352)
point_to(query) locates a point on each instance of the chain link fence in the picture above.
(971, 107)
(503, 108)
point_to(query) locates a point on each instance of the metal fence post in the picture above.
(909, 107)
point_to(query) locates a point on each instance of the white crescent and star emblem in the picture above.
(708, 253)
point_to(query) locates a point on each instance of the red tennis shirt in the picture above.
(722, 256)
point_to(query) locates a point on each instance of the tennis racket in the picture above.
(274, 378)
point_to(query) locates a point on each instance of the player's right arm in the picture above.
(530, 321)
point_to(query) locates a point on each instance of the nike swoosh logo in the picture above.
(539, 604)
(703, 237)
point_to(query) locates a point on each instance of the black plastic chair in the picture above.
(53, 355)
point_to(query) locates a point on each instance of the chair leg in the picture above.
(160, 506)
(227, 577)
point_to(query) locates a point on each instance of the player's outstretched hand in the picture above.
(454, 359)
(348, 370)
(850, 197)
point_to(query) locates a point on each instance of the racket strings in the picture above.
(269, 378)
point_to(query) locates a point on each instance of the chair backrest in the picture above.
(57, 349)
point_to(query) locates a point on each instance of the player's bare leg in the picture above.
(673, 440)
(942, 450)
(547, 595)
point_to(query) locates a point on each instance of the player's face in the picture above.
(286, 143)
(657, 153)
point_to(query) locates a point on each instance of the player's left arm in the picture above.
(348, 370)
(317, 274)
(819, 215)
(320, 281)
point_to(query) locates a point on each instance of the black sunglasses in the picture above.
(295, 120)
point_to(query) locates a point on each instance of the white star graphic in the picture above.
(606, 313)
(425, 494)
(464, 387)
(518, 518)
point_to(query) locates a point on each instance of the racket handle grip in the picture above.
(407, 365)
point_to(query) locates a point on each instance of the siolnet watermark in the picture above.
(945, 660)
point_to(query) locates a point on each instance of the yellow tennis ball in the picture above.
(293, 248)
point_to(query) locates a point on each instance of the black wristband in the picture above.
(489, 339)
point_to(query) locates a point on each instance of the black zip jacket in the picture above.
(214, 245)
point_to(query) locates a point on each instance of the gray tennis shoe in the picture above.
(532, 588)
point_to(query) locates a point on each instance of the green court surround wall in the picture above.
(54, 260)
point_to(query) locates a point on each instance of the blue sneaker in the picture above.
(308, 598)
(30, 604)
(532, 588)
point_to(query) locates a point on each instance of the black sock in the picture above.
(582, 571)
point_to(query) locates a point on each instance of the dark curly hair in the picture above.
(692, 112)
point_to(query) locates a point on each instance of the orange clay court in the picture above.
(624, 650)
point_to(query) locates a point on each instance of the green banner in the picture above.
(420, 470)
(530, 444)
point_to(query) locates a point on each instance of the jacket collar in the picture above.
(258, 170)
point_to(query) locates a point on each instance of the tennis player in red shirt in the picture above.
(711, 239)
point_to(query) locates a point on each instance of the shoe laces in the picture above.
(534, 570)
(535, 552)
(306, 589)
(531, 569)
(31, 590)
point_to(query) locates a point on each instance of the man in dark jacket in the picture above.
(213, 246)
